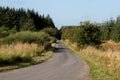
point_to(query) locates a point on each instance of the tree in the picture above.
(24, 19)
(89, 35)
(51, 31)
(28, 25)
(116, 30)
(107, 30)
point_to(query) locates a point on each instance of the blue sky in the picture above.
(70, 12)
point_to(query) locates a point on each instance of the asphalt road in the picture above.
(64, 65)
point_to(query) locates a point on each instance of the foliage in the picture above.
(41, 38)
(4, 32)
(92, 33)
(51, 31)
(21, 38)
(89, 35)
(85, 34)
(70, 33)
(28, 25)
(111, 30)
(107, 29)
(24, 19)
(116, 30)
(23, 46)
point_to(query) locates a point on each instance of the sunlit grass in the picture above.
(19, 55)
(35, 60)
(19, 52)
(104, 62)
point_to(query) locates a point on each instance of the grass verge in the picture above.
(35, 60)
(99, 70)
(24, 49)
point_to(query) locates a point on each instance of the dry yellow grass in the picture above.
(108, 56)
(14, 56)
(19, 50)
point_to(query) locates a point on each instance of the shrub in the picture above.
(89, 35)
(85, 34)
(27, 37)
(40, 38)
(51, 31)
(4, 34)
(70, 33)
(4, 31)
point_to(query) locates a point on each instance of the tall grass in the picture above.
(24, 47)
(104, 62)
(19, 52)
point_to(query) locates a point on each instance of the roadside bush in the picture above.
(3, 31)
(40, 38)
(26, 37)
(4, 34)
(70, 33)
(51, 31)
(85, 34)
(89, 35)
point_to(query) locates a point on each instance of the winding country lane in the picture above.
(64, 65)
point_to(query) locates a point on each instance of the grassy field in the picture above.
(104, 62)
(19, 52)
(20, 55)
(25, 48)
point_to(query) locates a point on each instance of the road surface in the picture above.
(64, 65)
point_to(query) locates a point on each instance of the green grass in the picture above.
(35, 60)
(98, 71)
(15, 66)
(24, 37)
(41, 38)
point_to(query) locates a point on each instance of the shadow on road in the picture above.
(59, 50)
(59, 47)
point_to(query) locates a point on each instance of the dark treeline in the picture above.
(22, 20)
(92, 33)
(111, 30)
